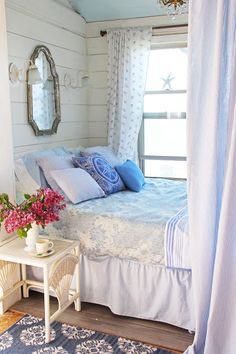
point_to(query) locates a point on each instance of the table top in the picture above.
(13, 251)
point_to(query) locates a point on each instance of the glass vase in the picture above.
(32, 237)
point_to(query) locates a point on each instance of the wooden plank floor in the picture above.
(8, 319)
(100, 318)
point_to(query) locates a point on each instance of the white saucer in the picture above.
(40, 255)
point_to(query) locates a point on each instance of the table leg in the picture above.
(23, 274)
(77, 282)
(46, 303)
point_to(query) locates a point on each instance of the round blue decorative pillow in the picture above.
(101, 171)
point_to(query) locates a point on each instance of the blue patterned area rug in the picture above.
(27, 336)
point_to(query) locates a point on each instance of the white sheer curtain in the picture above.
(212, 173)
(128, 52)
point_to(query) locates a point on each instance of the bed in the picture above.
(123, 262)
(126, 225)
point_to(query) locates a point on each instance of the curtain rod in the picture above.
(103, 33)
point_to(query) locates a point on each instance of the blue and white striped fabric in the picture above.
(177, 241)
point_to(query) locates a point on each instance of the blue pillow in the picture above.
(103, 173)
(131, 175)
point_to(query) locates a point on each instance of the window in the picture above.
(163, 132)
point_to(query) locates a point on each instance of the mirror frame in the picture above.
(56, 85)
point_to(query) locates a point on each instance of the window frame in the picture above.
(161, 44)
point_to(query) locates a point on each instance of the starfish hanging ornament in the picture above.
(167, 82)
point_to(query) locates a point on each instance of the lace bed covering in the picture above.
(126, 224)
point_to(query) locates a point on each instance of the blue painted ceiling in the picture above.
(103, 10)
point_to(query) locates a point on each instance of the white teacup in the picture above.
(43, 246)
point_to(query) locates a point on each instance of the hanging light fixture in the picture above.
(174, 7)
(17, 74)
(34, 76)
(48, 84)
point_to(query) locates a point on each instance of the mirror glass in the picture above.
(43, 93)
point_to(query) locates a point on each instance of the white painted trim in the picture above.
(6, 142)
(6, 148)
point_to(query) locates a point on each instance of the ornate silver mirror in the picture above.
(44, 113)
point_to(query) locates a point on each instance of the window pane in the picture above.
(165, 103)
(167, 69)
(165, 137)
(168, 169)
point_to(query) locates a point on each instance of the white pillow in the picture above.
(75, 151)
(107, 153)
(50, 163)
(24, 182)
(77, 184)
(30, 161)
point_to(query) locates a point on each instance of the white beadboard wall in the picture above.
(97, 63)
(31, 23)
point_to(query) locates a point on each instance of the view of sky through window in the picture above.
(165, 112)
(163, 62)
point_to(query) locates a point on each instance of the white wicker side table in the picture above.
(58, 270)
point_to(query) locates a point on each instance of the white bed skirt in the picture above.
(130, 288)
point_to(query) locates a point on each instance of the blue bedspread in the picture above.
(125, 224)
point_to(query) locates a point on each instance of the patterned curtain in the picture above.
(128, 53)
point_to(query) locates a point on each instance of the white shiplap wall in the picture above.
(97, 61)
(31, 23)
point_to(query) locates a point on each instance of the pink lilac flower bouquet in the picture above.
(43, 207)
